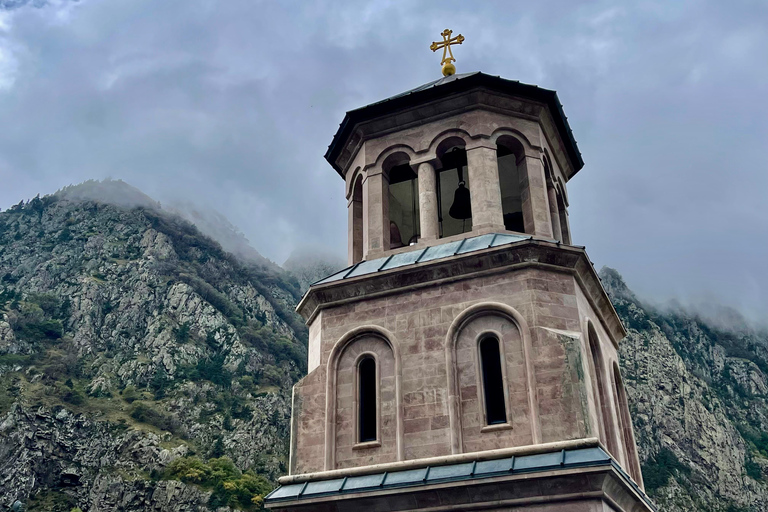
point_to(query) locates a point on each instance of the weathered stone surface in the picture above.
(104, 307)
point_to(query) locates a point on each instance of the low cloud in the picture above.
(233, 104)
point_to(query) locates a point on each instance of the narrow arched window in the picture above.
(403, 206)
(603, 392)
(367, 407)
(493, 381)
(507, 151)
(454, 205)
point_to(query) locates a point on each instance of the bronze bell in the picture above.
(461, 208)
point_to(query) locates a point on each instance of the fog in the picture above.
(231, 105)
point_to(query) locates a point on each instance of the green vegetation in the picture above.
(659, 469)
(230, 486)
(753, 469)
(145, 413)
(48, 500)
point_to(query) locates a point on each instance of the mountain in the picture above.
(698, 389)
(145, 368)
(141, 366)
(309, 265)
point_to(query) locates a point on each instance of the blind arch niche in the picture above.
(473, 331)
(343, 445)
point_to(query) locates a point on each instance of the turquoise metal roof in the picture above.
(459, 472)
(435, 252)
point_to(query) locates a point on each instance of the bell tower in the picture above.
(467, 359)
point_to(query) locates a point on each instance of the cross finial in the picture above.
(445, 44)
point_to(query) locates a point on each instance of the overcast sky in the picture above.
(232, 104)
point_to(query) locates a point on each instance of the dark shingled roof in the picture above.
(451, 85)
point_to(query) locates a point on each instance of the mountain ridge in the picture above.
(143, 367)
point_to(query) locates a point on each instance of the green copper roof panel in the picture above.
(538, 461)
(463, 471)
(450, 472)
(323, 487)
(477, 243)
(355, 483)
(410, 476)
(586, 455)
(487, 467)
(440, 251)
(402, 259)
(504, 239)
(286, 492)
(366, 267)
(435, 252)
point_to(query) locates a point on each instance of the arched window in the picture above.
(403, 206)
(554, 212)
(602, 392)
(356, 221)
(493, 381)
(625, 426)
(367, 400)
(454, 211)
(564, 228)
(511, 191)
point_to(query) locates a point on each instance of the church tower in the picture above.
(467, 359)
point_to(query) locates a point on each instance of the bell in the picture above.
(461, 209)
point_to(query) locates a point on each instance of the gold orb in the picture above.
(448, 69)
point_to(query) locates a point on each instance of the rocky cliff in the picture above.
(697, 389)
(143, 368)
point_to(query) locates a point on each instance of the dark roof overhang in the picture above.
(447, 86)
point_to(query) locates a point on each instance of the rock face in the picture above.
(139, 362)
(698, 401)
(129, 340)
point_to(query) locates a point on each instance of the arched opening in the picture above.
(600, 386)
(493, 381)
(625, 426)
(367, 400)
(454, 211)
(356, 221)
(561, 206)
(508, 151)
(554, 212)
(403, 206)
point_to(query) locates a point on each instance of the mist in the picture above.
(229, 107)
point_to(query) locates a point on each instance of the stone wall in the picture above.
(540, 315)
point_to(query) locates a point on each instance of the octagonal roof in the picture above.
(451, 85)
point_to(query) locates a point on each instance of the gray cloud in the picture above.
(232, 104)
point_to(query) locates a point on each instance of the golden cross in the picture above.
(445, 44)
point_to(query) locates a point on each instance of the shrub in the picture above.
(657, 470)
(182, 333)
(144, 413)
(753, 469)
(130, 394)
(230, 486)
(73, 396)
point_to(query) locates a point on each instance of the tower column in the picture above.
(375, 214)
(554, 214)
(428, 202)
(535, 208)
(484, 188)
